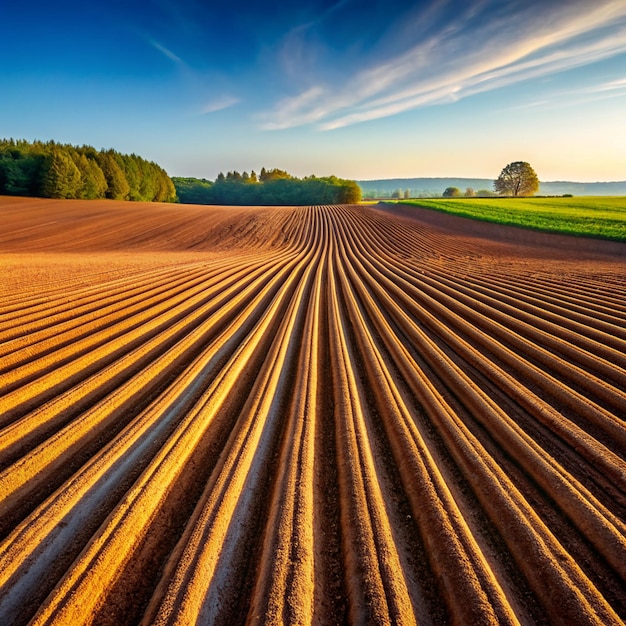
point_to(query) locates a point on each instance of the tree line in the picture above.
(455, 192)
(269, 187)
(54, 170)
(517, 179)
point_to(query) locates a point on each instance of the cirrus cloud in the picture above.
(479, 50)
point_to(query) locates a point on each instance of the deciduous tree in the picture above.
(517, 179)
(275, 187)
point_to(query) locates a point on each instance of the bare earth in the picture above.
(324, 415)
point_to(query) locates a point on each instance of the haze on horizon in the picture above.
(383, 89)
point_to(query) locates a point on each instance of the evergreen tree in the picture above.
(273, 174)
(166, 191)
(62, 178)
(21, 168)
(117, 185)
(93, 183)
(52, 169)
(131, 166)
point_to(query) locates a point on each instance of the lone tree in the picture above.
(451, 192)
(517, 179)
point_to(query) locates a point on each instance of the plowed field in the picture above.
(306, 415)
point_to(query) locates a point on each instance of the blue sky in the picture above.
(363, 90)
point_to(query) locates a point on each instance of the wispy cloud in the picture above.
(193, 84)
(574, 97)
(613, 85)
(456, 61)
(220, 103)
(166, 52)
(305, 108)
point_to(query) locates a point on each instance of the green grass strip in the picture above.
(602, 216)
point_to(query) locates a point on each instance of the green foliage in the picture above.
(55, 170)
(21, 168)
(117, 185)
(601, 216)
(93, 183)
(274, 174)
(166, 191)
(350, 192)
(517, 179)
(273, 187)
(130, 166)
(62, 178)
(451, 192)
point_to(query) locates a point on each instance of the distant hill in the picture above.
(428, 187)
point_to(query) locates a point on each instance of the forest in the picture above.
(54, 170)
(270, 188)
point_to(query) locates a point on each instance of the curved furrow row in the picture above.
(23, 319)
(198, 321)
(599, 299)
(562, 351)
(77, 319)
(444, 320)
(43, 378)
(576, 300)
(378, 591)
(528, 357)
(100, 481)
(18, 311)
(306, 415)
(530, 339)
(585, 292)
(607, 291)
(287, 586)
(147, 368)
(144, 304)
(606, 531)
(580, 505)
(601, 337)
(456, 559)
(576, 315)
(201, 579)
(507, 298)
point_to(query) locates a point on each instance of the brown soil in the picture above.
(232, 415)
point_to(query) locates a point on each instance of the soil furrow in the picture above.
(320, 415)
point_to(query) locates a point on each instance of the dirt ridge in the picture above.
(241, 415)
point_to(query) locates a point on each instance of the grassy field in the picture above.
(603, 217)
